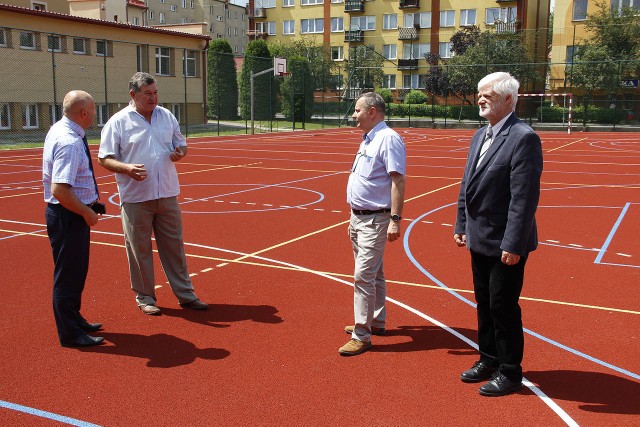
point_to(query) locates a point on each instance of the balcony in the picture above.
(256, 34)
(259, 12)
(409, 4)
(353, 6)
(410, 33)
(407, 64)
(356, 36)
(505, 27)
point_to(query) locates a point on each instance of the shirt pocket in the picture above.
(365, 165)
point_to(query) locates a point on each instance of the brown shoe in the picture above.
(196, 304)
(374, 330)
(149, 309)
(354, 347)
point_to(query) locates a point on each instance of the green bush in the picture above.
(594, 114)
(415, 97)
(386, 94)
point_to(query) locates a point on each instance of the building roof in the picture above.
(118, 25)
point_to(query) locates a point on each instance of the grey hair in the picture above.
(504, 84)
(373, 99)
(140, 79)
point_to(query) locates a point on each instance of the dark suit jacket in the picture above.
(498, 200)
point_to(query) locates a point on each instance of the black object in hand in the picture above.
(98, 208)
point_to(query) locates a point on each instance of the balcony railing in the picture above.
(409, 4)
(354, 36)
(259, 12)
(353, 6)
(407, 64)
(256, 34)
(410, 33)
(505, 27)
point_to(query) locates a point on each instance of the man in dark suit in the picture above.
(496, 221)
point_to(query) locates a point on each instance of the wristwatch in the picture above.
(395, 218)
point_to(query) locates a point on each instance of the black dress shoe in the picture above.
(480, 371)
(83, 341)
(90, 327)
(500, 386)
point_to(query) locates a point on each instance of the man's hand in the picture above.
(90, 217)
(177, 154)
(460, 239)
(509, 258)
(137, 171)
(393, 232)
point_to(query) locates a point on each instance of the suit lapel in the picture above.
(498, 141)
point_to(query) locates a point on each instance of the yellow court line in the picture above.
(19, 195)
(432, 191)
(308, 270)
(566, 145)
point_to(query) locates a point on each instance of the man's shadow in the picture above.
(602, 393)
(424, 338)
(220, 315)
(161, 350)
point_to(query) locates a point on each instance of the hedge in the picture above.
(594, 114)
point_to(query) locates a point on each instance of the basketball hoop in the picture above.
(284, 75)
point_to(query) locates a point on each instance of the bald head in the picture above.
(79, 107)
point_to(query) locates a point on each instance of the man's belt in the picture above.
(367, 212)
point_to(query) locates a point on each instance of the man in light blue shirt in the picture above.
(140, 143)
(375, 192)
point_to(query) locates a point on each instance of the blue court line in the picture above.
(45, 414)
(611, 234)
(472, 304)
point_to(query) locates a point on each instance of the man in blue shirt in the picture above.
(70, 190)
(375, 192)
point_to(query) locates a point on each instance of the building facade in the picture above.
(43, 55)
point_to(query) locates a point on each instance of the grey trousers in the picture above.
(368, 235)
(163, 218)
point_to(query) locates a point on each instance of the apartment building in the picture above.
(402, 31)
(43, 55)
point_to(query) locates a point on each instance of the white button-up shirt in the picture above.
(129, 138)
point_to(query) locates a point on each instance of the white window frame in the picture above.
(445, 48)
(190, 61)
(390, 51)
(106, 48)
(416, 81)
(102, 114)
(447, 15)
(172, 7)
(3, 38)
(175, 110)
(339, 53)
(162, 18)
(390, 21)
(310, 2)
(363, 23)
(52, 38)
(423, 19)
(502, 14)
(288, 3)
(33, 45)
(260, 4)
(84, 45)
(389, 81)
(39, 5)
(465, 19)
(337, 25)
(311, 26)
(183, 3)
(163, 53)
(289, 27)
(5, 116)
(135, 20)
(151, 15)
(418, 50)
(579, 12)
(30, 115)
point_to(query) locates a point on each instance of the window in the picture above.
(580, 10)
(183, 3)
(54, 43)
(79, 46)
(337, 53)
(263, 27)
(56, 112)
(191, 63)
(102, 114)
(135, 21)
(363, 23)
(571, 52)
(162, 19)
(414, 81)
(389, 81)
(3, 38)
(336, 82)
(172, 7)
(311, 26)
(504, 14)
(289, 27)
(210, 10)
(163, 61)
(416, 50)
(102, 48)
(445, 50)
(288, 3)
(175, 110)
(390, 51)
(337, 1)
(467, 17)
(27, 40)
(619, 4)
(447, 18)
(337, 25)
(422, 20)
(151, 15)
(30, 116)
(390, 21)
(142, 58)
(261, 4)
(39, 6)
(308, 2)
(184, 20)
(191, 4)
(5, 116)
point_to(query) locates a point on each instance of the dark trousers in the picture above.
(69, 237)
(497, 290)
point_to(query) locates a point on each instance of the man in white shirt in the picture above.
(140, 143)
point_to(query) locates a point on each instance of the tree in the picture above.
(297, 90)
(317, 55)
(364, 68)
(464, 39)
(222, 83)
(257, 58)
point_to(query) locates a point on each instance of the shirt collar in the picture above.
(74, 126)
(495, 129)
(368, 137)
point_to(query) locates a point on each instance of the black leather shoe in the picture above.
(83, 341)
(480, 371)
(90, 327)
(196, 304)
(500, 386)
